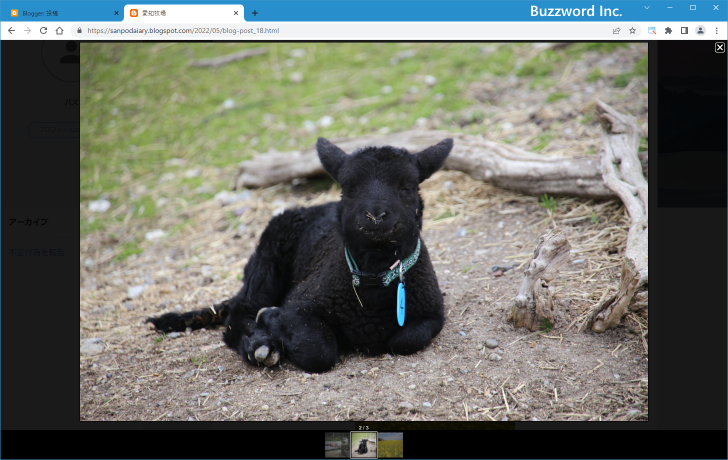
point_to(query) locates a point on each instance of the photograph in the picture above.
(333, 231)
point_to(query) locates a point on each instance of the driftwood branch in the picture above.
(228, 58)
(533, 304)
(501, 164)
(623, 174)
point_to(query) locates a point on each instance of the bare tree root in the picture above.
(623, 174)
(501, 164)
(533, 304)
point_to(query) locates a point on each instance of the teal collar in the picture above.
(382, 279)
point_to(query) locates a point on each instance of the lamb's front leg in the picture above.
(304, 337)
(415, 334)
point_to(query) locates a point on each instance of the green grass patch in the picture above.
(622, 80)
(558, 95)
(548, 202)
(467, 269)
(594, 75)
(640, 67)
(129, 248)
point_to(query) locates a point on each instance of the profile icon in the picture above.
(71, 47)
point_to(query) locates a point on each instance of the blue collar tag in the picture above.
(400, 304)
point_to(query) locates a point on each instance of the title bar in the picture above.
(390, 11)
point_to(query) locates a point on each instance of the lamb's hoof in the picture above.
(265, 356)
(262, 353)
(261, 311)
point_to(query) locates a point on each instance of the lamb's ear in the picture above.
(432, 158)
(331, 157)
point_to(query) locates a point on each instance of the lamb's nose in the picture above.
(376, 219)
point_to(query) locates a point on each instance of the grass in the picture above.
(553, 97)
(144, 106)
(129, 248)
(467, 269)
(547, 202)
(198, 362)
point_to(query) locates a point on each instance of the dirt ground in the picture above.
(129, 372)
(556, 375)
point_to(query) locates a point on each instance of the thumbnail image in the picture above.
(363, 444)
(337, 444)
(383, 200)
(391, 445)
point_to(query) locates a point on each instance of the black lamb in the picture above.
(327, 278)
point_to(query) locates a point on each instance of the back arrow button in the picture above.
(11, 30)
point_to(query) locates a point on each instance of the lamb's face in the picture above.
(379, 193)
(380, 186)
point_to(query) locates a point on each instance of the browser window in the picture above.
(446, 203)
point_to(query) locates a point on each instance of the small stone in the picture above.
(166, 177)
(501, 224)
(578, 261)
(414, 89)
(204, 395)
(175, 162)
(463, 333)
(463, 370)
(636, 360)
(325, 121)
(102, 310)
(491, 343)
(634, 412)
(190, 173)
(240, 211)
(163, 305)
(296, 77)
(153, 235)
(129, 306)
(228, 104)
(135, 291)
(306, 376)
(220, 368)
(297, 53)
(264, 407)
(504, 419)
(191, 419)
(412, 387)
(406, 405)
(430, 80)
(494, 357)
(173, 335)
(202, 189)
(99, 205)
(206, 270)
(386, 89)
(534, 419)
(450, 379)
(461, 232)
(324, 402)
(88, 263)
(92, 346)
(498, 274)
(438, 97)
(546, 383)
(178, 307)
(426, 404)
(617, 376)
(295, 418)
